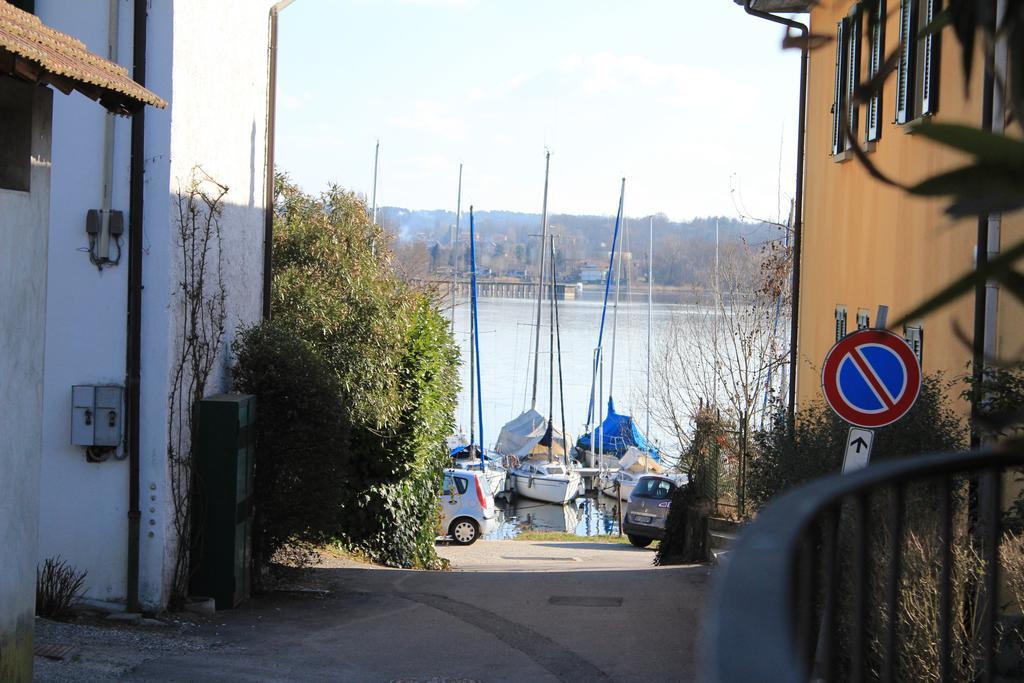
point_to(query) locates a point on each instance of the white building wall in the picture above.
(84, 507)
(218, 123)
(209, 61)
(24, 220)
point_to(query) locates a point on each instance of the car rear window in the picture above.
(453, 484)
(658, 489)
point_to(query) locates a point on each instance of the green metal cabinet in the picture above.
(224, 454)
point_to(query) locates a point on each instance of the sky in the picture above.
(692, 101)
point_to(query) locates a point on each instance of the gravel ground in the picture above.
(103, 650)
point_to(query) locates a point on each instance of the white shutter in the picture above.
(876, 33)
(852, 73)
(908, 57)
(838, 108)
(930, 62)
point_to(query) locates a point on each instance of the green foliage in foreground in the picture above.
(300, 459)
(786, 457)
(358, 456)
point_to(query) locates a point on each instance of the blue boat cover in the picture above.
(619, 432)
(467, 451)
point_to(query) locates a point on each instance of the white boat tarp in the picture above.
(523, 435)
(637, 461)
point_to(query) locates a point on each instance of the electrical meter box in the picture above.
(97, 415)
(225, 449)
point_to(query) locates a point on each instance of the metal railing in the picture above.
(824, 586)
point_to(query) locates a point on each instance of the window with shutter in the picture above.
(863, 319)
(914, 334)
(930, 62)
(838, 108)
(853, 28)
(907, 61)
(876, 55)
(840, 322)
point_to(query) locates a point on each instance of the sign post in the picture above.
(858, 449)
(870, 378)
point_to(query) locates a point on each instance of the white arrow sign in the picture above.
(858, 449)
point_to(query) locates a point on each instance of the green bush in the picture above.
(395, 519)
(363, 454)
(786, 456)
(302, 443)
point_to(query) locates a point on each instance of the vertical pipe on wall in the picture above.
(134, 360)
(798, 211)
(268, 192)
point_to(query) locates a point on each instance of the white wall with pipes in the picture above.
(209, 61)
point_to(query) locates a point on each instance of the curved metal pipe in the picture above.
(798, 200)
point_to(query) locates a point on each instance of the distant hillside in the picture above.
(434, 226)
(507, 242)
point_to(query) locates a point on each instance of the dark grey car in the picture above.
(648, 506)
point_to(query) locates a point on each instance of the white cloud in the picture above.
(430, 116)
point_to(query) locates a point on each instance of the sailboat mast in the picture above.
(615, 308)
(540, 277)
(476, 329)
(650, 304)
(455, 242)
(472, 354)
(551, 356)
(650, 318)
(599, 371)
(376, 157)
(558, 343)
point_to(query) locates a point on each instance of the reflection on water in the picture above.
(584, 516)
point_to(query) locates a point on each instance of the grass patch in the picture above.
(563, 537)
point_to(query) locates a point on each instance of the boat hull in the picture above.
(615, 487)
(547, 488)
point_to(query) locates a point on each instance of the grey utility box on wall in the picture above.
(96, 415)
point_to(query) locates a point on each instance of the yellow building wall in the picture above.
(866, 243)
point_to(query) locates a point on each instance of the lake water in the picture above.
(506, 360)
(585, 516)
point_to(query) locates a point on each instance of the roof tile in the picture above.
(64, 62)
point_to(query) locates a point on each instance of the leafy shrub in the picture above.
(302, 444)
(394, 519)
(357, 458)
(58, 587)
(786, 456)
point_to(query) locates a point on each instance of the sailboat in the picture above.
(635, 462)
(546, 472)
(607, 439)
(542, 469)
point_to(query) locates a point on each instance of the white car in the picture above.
(467, 508)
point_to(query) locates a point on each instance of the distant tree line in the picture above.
(507, 244)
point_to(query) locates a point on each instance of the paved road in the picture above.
(509, 611)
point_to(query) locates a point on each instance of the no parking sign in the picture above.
(871, 378)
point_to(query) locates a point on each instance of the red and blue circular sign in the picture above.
(871, 378)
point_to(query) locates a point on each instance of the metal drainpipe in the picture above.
(1001, 74)
(268, 211)
(134, 362)
(981, 324)
(798, 201)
